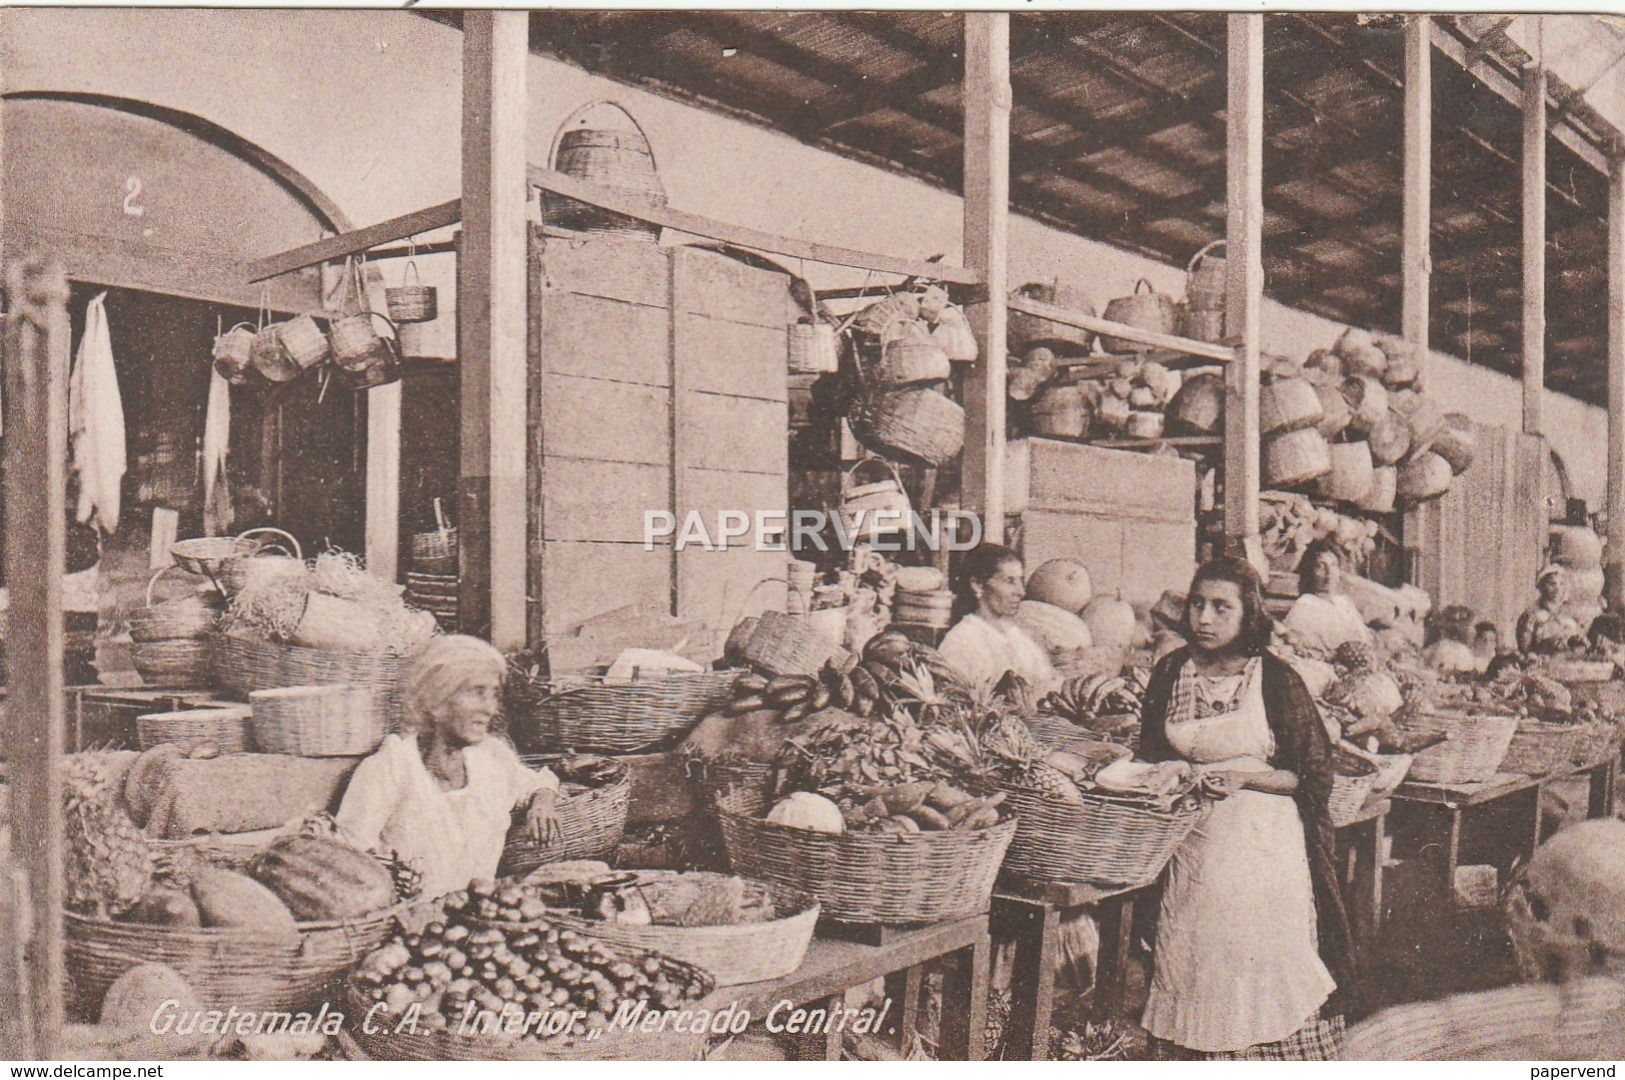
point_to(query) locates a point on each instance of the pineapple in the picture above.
(1355, 658)
(109, 866)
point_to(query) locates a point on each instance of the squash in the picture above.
(1111, 622)
(1055, 628)
(1062, 582)
(807, 810)
(322, 878)
(227, 898)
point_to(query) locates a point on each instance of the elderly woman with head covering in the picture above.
(441, 792)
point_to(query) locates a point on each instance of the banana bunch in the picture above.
(1095, 699)
(795, 696)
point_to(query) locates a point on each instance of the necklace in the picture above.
(1218, 695)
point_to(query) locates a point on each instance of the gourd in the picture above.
(1053, 627)
(807, 810)
(321, 878)
(1063, 583)
(135, 996)
(227, 898)
(1111, 621)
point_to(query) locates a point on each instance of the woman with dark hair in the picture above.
(1323, 617)
(987, 642)
(1252, 937)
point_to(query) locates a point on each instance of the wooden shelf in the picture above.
(1104, 366)
(1222, 354)
(1178, 442)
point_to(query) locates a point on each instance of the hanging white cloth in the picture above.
(96, 421)
(216, 441)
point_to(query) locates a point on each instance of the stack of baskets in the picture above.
(171, 638)
(432, 583)
(243, 665)
(1472, 752)
(884, 878)
(933, 609)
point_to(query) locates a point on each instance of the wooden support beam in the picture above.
(1616, 384)
(1534, 248)
(1109, 328)
(356, 241)
(1245, 287)
(35, 416)
(1417, 228)
(987, 234)
(492, 326)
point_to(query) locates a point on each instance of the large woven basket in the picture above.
(591, 824)
(647, 713)
(227, 966)
(1351, 787)
(226, 727)
(1472, 752)
(882, 878)
(176, 663)
(190, 617)
(243, 665)
(733, 955)
(783, 644)
(747, 786)
(420, 1042)
(316, 721)
(1059, 733)
(1539, 749)
(921, 423)
(621, 161)
(1104, 841)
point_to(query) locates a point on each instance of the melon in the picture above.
(321, 878)
(135, 997)
(808, 810)
(1064, 583)
(1111, 622)
(227, 898)
(1055, 628)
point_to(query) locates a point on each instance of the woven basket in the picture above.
(412, 301)
(1471, 754)
(421, 1042)
(226, 966)
(732, 955)
(304, 342)
(233, 353)
(271, 358)
(1059, 733)
(227, 727)
(591, 824)
(884, 878)
(1538, 749)
(243, 665)
(905, 363)
(439, 544)
(315, 721)
(784, 644)
(746, 786)
(813, 348)
(1567, 670)
(621, 161)
(1027, 331)
(189, 617)
(174, 662)
(1105, 841)
(645, 714)
(1351, 787)
(921, 423)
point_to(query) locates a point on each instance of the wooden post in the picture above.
(1418, 212)
(383, 460)
(1244, 293)
(492, 325)
(1616, 381)
(1534, 247)
(987, 231)
(35, 357)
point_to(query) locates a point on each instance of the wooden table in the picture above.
(1028, 914)
(899, 955)
(1449, 804)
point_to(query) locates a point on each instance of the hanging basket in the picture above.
(412, 301)
(882, 503)
(304, 342)
(1205, 280)
(271, 357)
(813, 350)
(234, 353)
(621, 161)
(923, 424)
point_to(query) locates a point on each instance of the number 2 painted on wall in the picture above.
(132, 192)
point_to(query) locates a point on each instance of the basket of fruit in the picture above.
(644, 713)
(594, 799)
(523, 991)
(273, 934)
(940, 864)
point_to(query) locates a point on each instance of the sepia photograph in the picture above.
(577, 535)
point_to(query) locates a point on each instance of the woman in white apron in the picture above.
(1252, 938)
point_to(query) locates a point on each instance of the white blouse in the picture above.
(983, 651)
(455, 836)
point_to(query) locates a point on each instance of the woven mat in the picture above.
(241, 793)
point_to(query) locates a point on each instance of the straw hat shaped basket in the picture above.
(617, 159)
(1472, 752)
(245, 664)
(225, 726)
(304, 342)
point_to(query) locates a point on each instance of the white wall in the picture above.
(366, 104)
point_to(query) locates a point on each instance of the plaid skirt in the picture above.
(1318, 1040)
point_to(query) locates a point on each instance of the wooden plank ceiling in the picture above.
(1118, 135)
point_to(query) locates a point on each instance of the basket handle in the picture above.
(752, 592)
(440, 517)
(154, 579)
(891, 467)
(1196, 260)
(1150, 288)
(581, 111)
(240, 326)
(412, 268)
(294, 551)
